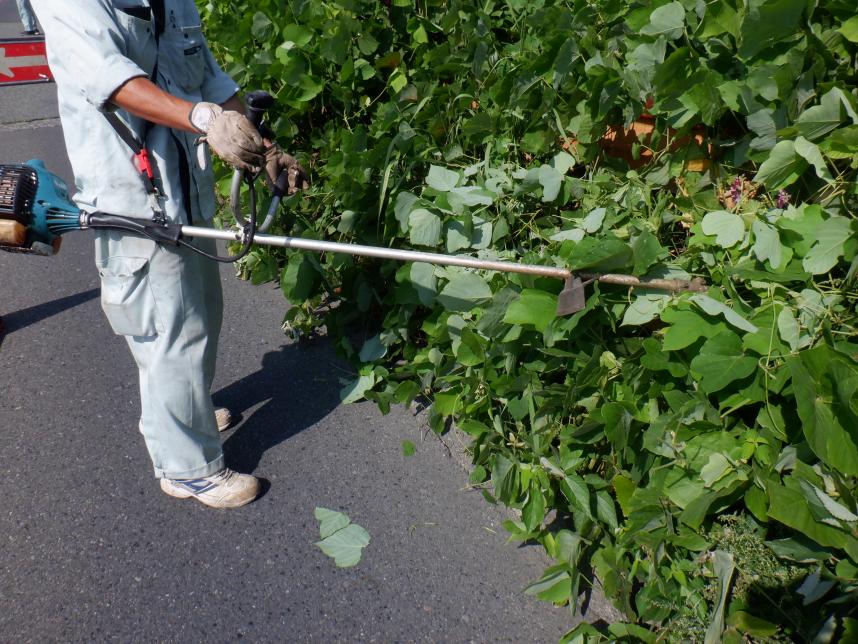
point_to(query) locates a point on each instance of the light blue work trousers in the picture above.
(28, 18)
(168, 304)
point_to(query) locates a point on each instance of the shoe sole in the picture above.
(177, 493)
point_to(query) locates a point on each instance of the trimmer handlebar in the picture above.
(258, 101)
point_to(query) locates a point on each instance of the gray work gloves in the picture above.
(276, 161)
(230, 136)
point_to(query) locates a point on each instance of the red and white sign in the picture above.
(23, 61)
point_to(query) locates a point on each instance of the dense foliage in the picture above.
(697, 454)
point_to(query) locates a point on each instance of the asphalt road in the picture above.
(93, 551)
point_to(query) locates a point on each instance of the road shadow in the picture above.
(296, 386)
(16, 320)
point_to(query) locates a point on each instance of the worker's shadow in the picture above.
(295, 387)
(16, 320)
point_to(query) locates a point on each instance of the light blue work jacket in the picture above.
(94, 47)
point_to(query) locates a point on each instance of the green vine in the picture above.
(696, 455)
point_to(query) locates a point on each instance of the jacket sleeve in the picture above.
(89, 46)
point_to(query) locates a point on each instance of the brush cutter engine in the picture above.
(35, 209)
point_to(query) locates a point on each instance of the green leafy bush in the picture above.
(697, 454)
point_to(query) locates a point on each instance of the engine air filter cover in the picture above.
(18, 185)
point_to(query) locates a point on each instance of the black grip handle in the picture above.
(281, 186)
(257, 102)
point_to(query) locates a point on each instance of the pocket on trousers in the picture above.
(126, 297)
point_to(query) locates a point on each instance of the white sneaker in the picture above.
(223, 418)
(225, 489)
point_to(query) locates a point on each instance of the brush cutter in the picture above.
(35, 210)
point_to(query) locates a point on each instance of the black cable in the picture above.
(249, 230)
(248, 242)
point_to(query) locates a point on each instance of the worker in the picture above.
(27, 18)
(133, 74)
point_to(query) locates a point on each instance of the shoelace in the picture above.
(223, 476)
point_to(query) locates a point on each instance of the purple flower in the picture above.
(736, 191)
(783, 199)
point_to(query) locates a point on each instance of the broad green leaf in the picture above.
(644, 309)
(667, 20)
(714, 307)
(471, 196)
(789, 329)
(457, 236)
(721, 362)
(295, 36)
(408, 449)
(813, 588)
(356, 389)
(647, 251)
(424, 227)
(299, 279)
(533, 511)
(835, 509)
(373, 349)
(782, 168)
(767, 243)
(442, 179)
(463, 292)
(446, 404)
(533, 307)
(830, 427)
(800, 549)
(606, 510)
(261, 27)
(306, 89)
(563, 162)
(571, 234)
(763, 125)
(330, 521)
(658, 360)
(810, 153)
(686, 327)
(554, 586)
(550, 180)
(833, 109)
(788, 507)
(345, 546)
(402, 209)
(720, 18)
(727, 227)
(470, 351)
(849, 29)
(750, 625)
(717, 467)
(767, 22)
(624, 487)
(602, 254)
(830, 238)
(575, 489)
(424, 282)
(367, 44)
(842, 143)
(724, 567)
(757, 502)
(505, 479)
(632, 633)
(594, 220)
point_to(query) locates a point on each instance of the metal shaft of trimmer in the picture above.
(321, 246)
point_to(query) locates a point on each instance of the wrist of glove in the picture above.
(230, 136)
(294, 176)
